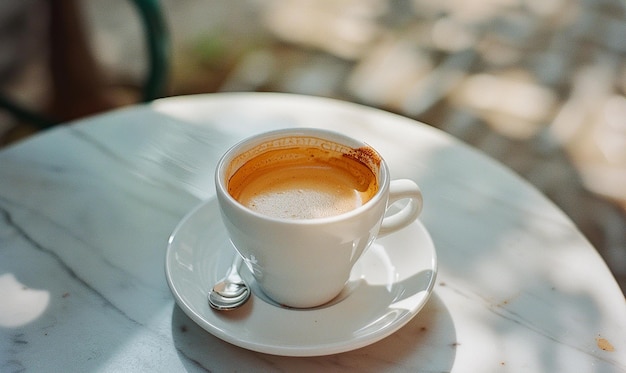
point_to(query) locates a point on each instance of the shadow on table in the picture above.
(528, 276)
(427, 342)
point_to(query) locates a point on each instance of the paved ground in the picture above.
(538, 84)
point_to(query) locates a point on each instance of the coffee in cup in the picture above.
(303, 182)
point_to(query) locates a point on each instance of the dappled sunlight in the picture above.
(518, 98)
(611, 137)
(343, 28)
(450, 35)
(20, 304)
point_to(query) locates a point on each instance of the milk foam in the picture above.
(307, 192)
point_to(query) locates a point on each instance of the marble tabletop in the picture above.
(86, 210)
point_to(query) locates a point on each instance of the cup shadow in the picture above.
(426, 343)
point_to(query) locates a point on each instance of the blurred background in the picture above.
(539, 85)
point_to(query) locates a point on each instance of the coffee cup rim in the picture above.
(254, 140)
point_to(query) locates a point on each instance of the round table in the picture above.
(86, 210)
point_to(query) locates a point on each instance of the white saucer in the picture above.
(387, 288)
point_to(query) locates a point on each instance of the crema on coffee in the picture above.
(303, 183)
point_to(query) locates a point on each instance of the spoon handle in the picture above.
(232, 276)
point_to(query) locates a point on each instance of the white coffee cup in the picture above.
(301, 262)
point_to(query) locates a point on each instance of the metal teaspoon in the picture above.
(231, 292)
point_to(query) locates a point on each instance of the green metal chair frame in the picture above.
(158, 45)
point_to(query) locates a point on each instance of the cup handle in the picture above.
(402, 189)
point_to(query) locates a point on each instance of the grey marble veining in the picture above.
(86, 211)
